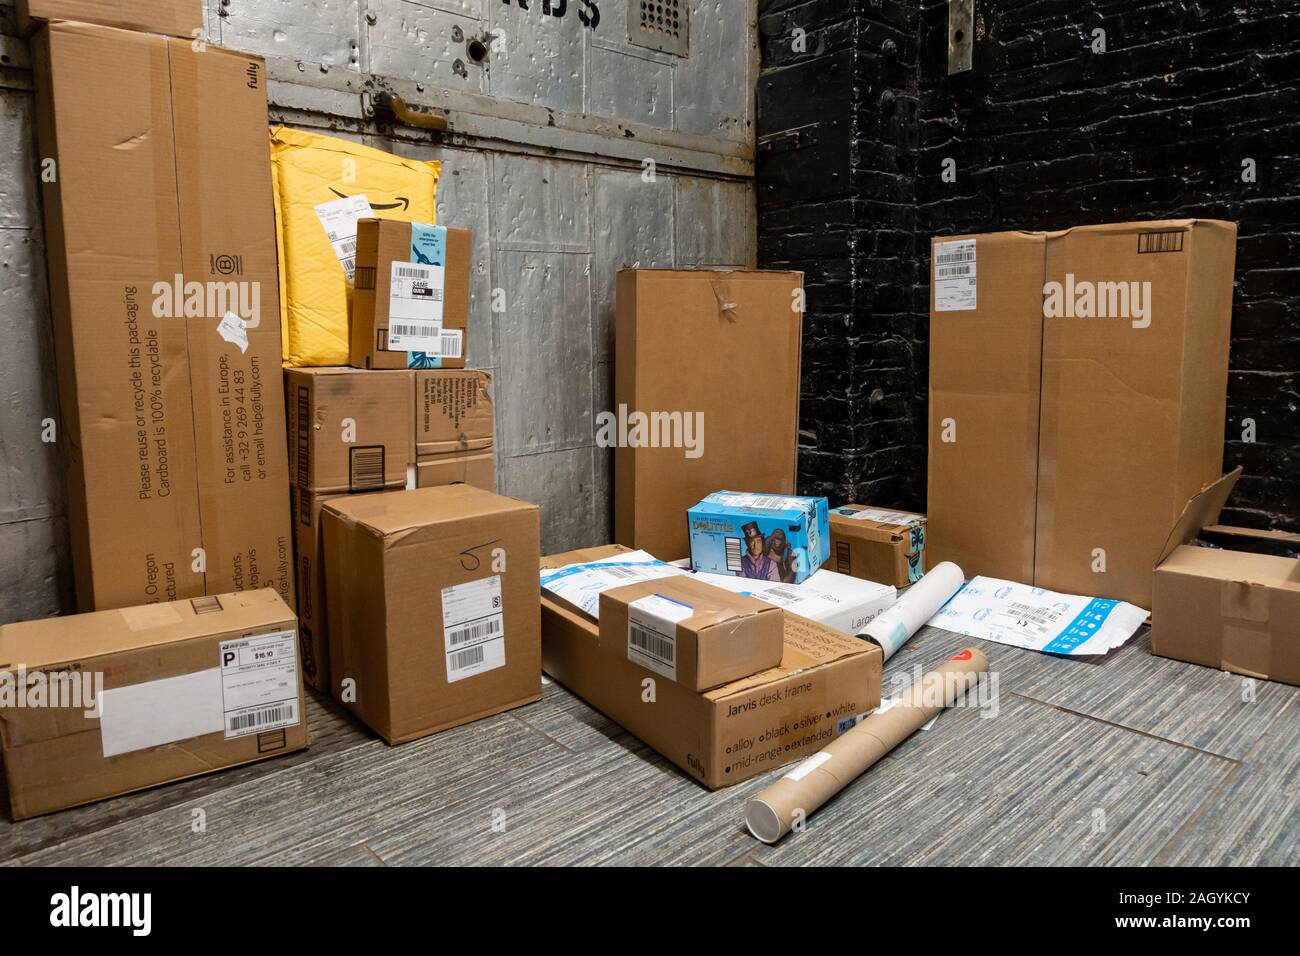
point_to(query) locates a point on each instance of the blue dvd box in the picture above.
(769, 537)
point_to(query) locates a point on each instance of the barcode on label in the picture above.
(962, 256)
(366, 468)
(1039, 615)
(652, 644)
(412, 329)
(450, 346)
(733, 554)
(1160, 242)
(474, 631)
(788, 594)
(349, 266)
(347, 247)
(255, 720)
(947, 272)
(413, 272)
(468, 657)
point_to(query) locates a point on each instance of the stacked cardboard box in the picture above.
(1077, 398)
(163, 283)
(355, 431)
(878, 544)
(824, 683)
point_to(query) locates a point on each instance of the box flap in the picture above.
(391, 512)
(808, 644)
(1201, 511)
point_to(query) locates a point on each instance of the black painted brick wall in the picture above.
(1045, 133)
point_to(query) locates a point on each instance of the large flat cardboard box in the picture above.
(707, 388)
(162, 262)
(825, 682)
(1238, 611)
(433, 607)
(691, 632)
(144, 695)
(179, 18)
(352, 430)
(411, 303)
(1078, 383)
(877, 544)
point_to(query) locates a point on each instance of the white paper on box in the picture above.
(955, 279)
(582, 584)
(473, 628)
(415, 307)
(882, 515)
(652, 632)
(339, 218)
(1039, 620)
(161, 712)
(259, 683)
(837, 600)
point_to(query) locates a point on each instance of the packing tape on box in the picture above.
(776, 810)
(920, 602)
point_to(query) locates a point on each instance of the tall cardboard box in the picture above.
(411, 305)
(1235, 610)
(163, 286)
(825, 683)
(1078, 384)
(179, 18)
(433, 607)
(717, 350)
(135, 697)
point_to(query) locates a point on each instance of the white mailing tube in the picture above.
(896, 624)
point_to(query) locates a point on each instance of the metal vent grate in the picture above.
(663, 25)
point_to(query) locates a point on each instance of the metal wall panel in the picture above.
(320, 33)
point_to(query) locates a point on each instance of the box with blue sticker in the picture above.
(782, 538)
(410, 307)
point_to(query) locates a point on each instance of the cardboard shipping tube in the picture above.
(771, 814)
(896, 624)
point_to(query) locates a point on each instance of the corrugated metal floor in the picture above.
(1133, 760)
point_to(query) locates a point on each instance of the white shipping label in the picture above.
(1036, 620)
(339, 219)
(652, 633)
(955, 278)
(415, 298)
(805, 767)
(160, 712)
(740, 500)
(473, 628)
(879, 514)
(259, 683)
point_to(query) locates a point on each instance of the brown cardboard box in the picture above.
(433, 607)
(690, 632)
(1234, 610)
(721, 345)
(453, 411)
(352, 429)
(731, 733)
(313, 634)
(180, 18)
(1059, 439)
(475, 468)
(879, 545)
(160, 238)
(380, 244)
(188, 687)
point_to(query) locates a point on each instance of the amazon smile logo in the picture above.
(402, 202)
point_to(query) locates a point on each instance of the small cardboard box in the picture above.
(877, 544)
(706, 380)
(691, 632)
(178, 18)
(351, 430)
(146, 695)
(770, 537)
(433, 607)
(411, 305)
(1235, 610)
(824, 683)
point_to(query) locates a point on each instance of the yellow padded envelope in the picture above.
(310, 170)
